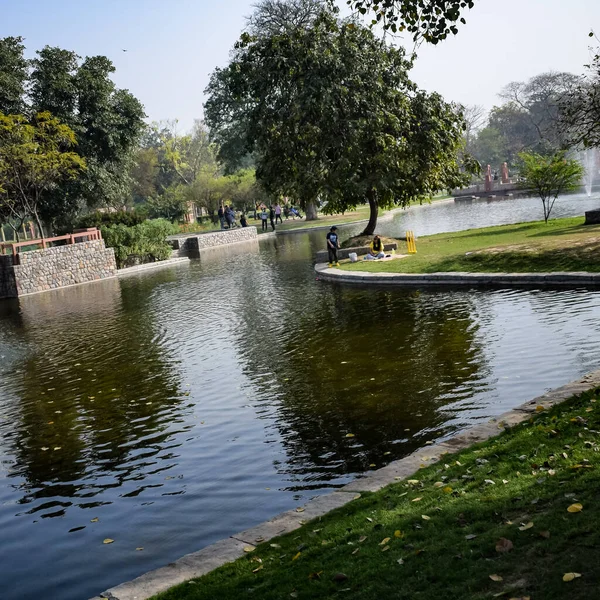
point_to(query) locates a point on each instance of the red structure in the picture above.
(86, 235)
(488, 179)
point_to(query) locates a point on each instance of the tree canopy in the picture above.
(580, 107)
(429, 20)
(550, 176)
(35, 158)
(106, 121)
(330, 114)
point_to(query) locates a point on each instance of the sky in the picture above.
(174, 45)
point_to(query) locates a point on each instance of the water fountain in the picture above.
(589, 162)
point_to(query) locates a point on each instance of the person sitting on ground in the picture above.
(333, 243)
(376, 249)
(243, 220)
(295, 213)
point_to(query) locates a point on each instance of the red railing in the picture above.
(71, 238)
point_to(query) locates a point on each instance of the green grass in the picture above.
(529, 474)
(560, 245)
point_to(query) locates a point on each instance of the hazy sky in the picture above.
(173, 45)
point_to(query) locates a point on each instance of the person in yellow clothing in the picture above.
(376, 249)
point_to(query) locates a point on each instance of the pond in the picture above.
(169, 410)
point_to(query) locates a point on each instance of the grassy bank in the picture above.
(508, 518)
(560, 245)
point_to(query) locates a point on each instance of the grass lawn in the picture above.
(560, 245)
(507, 518)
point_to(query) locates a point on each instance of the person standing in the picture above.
(221, 213)
(333, 243)
(278, 213)
(272, 216)
(263, 218)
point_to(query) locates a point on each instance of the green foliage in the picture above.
(81, 94)
(103, 219)
(550, 176)
(35, 160)
(145, 242)
(172, 204)
(13, 75)
(330, 114)
(580, 107)
(438, 534)
(430, 20)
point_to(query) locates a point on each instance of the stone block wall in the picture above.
(8, 286)
(194, 243)
(62, 266)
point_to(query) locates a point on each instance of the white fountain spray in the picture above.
(590, 169)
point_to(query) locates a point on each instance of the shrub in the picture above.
(142, 243)
(106, 219)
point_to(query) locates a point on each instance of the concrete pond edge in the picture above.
(452, 279)
(230, 549)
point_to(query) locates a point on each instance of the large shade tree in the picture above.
(331, 115)
(107, 121)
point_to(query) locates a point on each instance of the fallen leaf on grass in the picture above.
(384, 542)
(413, 481)
(339, 577)
(471, 536)
(504, 545)
(571, 576)
(316, 575)
(416, 499)
(275, 545)
(300, 509)
(575, 508)
(539, 408)
(496, 578)
(356, 551)
(362, 538)
(385, 548)
(438, 484)
(259, 568)
(425, 518)
(95, 520)
(297, 556)
(108, 541)
(349, 435)
(526, 526)
(397, 533)
(447, 490)
(400, 561)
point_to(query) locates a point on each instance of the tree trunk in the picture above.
(374, 210)
(39, 224)
(311, 211)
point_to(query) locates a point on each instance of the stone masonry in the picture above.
(185, 244)
(57, 267)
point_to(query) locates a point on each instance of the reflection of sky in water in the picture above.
(176, 398)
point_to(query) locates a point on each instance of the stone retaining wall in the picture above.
(192, 244)
(458, 279)
(8, 286)
(58, 267)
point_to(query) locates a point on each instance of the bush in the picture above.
(106, 219)
(142, 243)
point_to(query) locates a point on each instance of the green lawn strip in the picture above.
(560, 245)
(473, 499)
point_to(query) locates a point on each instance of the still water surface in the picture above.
(181, 406)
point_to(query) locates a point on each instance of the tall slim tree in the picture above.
(13, 75)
